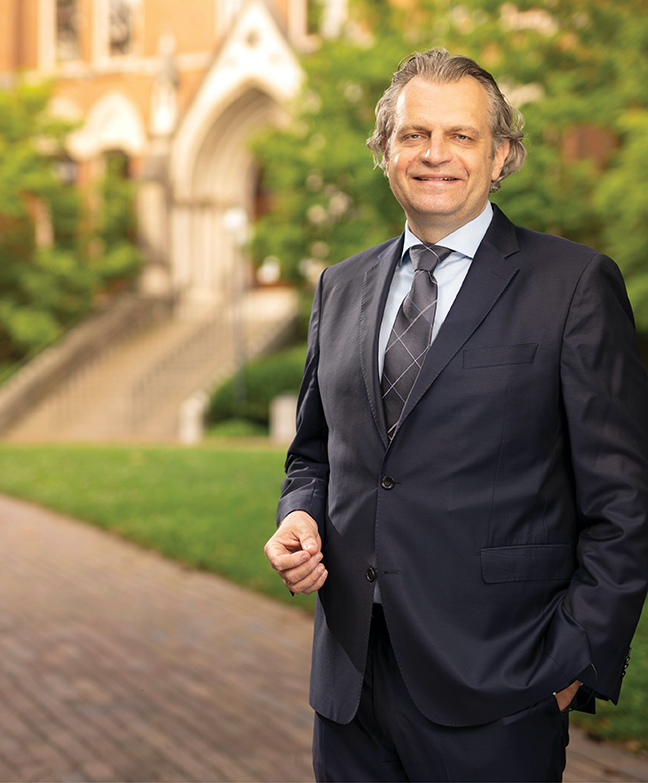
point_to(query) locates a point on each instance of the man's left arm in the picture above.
(606, 403)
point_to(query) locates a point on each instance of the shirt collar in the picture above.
(464, 240)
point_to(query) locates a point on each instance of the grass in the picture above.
(213, 508)
(628, 722)
(237, 428)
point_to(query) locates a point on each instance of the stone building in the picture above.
(178, 88)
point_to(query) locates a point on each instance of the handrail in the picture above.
(199, 345)
(80, 346)
(209, 345)
(117, 390)
(16, 366)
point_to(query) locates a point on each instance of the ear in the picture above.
(384, 146)
(499, 159)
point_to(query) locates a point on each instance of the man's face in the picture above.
(439, 158)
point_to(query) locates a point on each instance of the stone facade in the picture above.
(179, 87)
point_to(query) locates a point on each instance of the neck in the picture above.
(431, 233)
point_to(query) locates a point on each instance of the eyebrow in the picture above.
(468, 129)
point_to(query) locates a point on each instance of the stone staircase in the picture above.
(134, 390)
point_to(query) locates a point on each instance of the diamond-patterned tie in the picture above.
(411, 334)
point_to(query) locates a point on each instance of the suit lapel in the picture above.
(375, 289)
(489, 275)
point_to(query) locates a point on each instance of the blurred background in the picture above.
(174, 176)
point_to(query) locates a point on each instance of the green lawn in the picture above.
(213, 508)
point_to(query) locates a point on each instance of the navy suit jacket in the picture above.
(507, 519)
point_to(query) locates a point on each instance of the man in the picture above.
(468, 487)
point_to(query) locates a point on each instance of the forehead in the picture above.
(463, 102)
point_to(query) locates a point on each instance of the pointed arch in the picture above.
(113, 122)
(255, 53)
(211, 167)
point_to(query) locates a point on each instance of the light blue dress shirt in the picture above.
(449, 274)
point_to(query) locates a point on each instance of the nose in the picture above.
(437, 151)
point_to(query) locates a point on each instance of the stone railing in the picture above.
(86, 343)
(207, 357)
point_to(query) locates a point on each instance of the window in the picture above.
(67, 30)
(121, 27)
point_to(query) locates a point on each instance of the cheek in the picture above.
(398, 163)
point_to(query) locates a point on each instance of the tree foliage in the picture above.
(327, 201)
(49, 281)
(578, 69)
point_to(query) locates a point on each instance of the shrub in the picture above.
(265, 379)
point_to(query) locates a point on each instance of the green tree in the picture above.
(578, 69)
(47, 281)
(327, 201)
(116, 226)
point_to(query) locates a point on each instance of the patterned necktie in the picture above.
(411, 334)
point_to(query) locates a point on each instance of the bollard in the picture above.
(191, 418)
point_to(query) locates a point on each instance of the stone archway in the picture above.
(210, 167)
(113, 122)
(206, 250)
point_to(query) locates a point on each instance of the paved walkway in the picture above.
(117, 665)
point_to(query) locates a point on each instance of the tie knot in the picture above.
(428, 256)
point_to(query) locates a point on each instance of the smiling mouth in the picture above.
(436, 179)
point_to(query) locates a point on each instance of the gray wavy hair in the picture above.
(438, 65)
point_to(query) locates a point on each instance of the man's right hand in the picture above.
(295, 553)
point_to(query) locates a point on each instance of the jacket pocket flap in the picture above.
(505, 354)
(526, 563)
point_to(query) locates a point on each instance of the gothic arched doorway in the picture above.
(207, 242)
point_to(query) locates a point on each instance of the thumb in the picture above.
(309, 543)
(301, 527)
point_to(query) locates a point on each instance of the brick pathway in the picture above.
(117, 665)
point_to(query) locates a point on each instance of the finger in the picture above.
(286, 541)
(318, 584)
(304, 528)
(304, 574)
(309, 583)
(282, 560)
(309, 543)
(303, 571)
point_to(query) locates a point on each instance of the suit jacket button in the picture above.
(371, 574)
(387, 482)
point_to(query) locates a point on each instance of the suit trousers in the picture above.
(389, 739)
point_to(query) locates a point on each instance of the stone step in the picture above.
(136, 389)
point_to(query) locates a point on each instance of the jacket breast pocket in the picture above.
(501, 355)
(527, 563)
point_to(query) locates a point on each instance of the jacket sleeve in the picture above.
(606, 404)
(307, 469)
